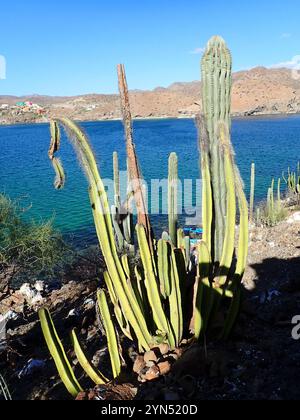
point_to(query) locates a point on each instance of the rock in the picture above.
(164, 367)
(32, 297)
(152, 374)
(294, 218)
(150, 364)
(39, 286)
(139, 365)
(89, 304)
(74, 313)
(164, 349)
(174, 356)
(150, 356)
(178, 352)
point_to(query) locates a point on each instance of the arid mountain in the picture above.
(255, 92)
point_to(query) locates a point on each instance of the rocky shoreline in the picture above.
(46, 120)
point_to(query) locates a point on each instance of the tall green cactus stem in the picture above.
(271, 210)
(93, 374)
(122, 321)
(241, 258)
(104, 229)
(121, 215)
(175, 302)
(116, 180)
(279, 194)
(173, 198)
(203, 292)
(252, 193)
(111, 335)
(164, 267)
(153, 291)
(216, 98)
(228, 246)
(60, 177)
(58, 353)
(293, 182)
(207, 194)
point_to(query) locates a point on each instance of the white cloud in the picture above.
(293, 64)
(197, 51)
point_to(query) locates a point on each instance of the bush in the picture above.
(31, 248)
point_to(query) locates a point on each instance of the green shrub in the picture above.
(31, 248)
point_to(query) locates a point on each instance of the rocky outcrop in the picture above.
(255, 92)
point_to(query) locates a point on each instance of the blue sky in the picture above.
(72, 47)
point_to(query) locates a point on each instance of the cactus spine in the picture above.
(173, 199)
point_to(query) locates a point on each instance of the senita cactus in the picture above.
(252, 193)
(173, 199)
(151, 301)
(122, 215)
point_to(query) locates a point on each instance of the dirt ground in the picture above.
(260, 361)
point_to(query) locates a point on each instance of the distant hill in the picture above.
(255, 92)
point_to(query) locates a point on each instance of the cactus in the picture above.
(93, 374)
(150, 301)
(172, 195)
(112, 341)
(293, 182)
(58, 353)
(164, 267)
(216, 98)
(252, 193)
(121, 215)
(221, 185)
(274, 211)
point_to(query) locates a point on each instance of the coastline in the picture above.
(235, 116)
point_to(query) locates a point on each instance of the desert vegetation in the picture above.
(158, 299)
(28, 250)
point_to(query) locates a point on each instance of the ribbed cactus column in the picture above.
(252, 192)
(121, 215)
(216, 98)
(117, 180)
(173, 197)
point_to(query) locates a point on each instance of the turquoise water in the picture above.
(25, 172)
